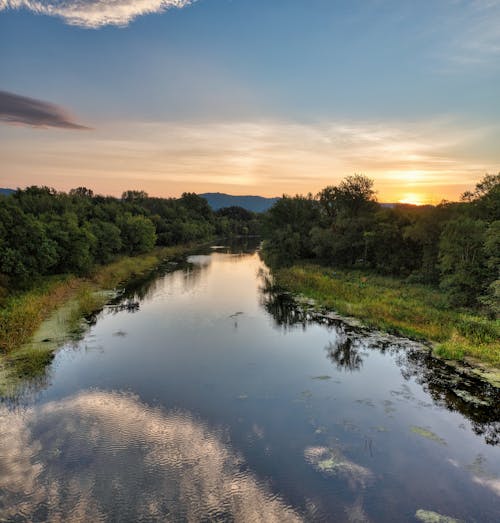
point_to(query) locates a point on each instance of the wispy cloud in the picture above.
(472, 32)
(15, 109)
(436, 158)
(93, 14)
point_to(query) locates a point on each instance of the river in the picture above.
(202, 395)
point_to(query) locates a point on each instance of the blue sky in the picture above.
(255, 96)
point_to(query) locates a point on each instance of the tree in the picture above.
(353, 197)
(134, 196)
(138, 234)
(462, 260)
(288, 224)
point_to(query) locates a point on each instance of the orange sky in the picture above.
(413, 162)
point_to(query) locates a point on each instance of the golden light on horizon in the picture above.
(413, 199)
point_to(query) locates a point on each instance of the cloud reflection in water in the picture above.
(105, 455)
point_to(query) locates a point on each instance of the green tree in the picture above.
(138, 234)
(462, 259)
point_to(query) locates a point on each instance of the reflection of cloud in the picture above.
(106, 454)
(491, 483)
(17, 109)
(95, 13)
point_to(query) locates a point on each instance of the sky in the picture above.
(265, 97)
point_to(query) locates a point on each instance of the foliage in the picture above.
(44, 232)
(287, 226)
(414, 310)
(22, 313)
(453, 245)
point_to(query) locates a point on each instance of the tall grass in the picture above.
(395, 306)
(22, 314)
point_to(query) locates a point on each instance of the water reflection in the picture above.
(475, 399)
(106, 456)
(346, 353)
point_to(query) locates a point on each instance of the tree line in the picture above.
(44, 231)
(454, 245)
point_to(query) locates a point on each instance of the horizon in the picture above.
(172, 96)
(119, 194)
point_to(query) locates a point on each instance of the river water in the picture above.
(214, 399)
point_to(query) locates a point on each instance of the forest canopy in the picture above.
(454, 245)
(44, 232)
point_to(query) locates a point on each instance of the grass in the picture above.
(22, 314)
(392, 305)
(31, 363)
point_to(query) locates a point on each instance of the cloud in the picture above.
(93, 14)
(15, 109)
(471, 33)
(437, 158)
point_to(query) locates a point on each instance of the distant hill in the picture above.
(218, 200)
(6, 192)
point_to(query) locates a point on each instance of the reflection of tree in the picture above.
(474, 399)
(345, 354)
(477, 400)
(280, 305)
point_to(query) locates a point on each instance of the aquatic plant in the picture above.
(425, 433)
(428, 516)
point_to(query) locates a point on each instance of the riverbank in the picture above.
(392, 305)
(34, 323)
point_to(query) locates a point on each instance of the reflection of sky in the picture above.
(133, 463)
(277, 399)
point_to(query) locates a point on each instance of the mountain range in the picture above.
(218, 200)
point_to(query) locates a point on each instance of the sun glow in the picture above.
(413, 199)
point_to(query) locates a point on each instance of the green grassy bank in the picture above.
(56, 306)
(398, 307)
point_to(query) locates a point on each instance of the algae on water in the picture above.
(425, 433)
(428, 516)
(331, 462)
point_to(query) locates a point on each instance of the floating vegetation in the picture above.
(322, 377)
(404, 393)
(349, 426)
(425, 433)
(388, 407)
(365, 401)
(428, 516)
(236, 314)
(306, 394)
(331, 462)
(120, 334)
(482, 476)
(469, 398)
(380, 428)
